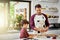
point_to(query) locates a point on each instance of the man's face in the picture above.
(38, 10)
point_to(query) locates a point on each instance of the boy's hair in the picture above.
(24, 22)
(38, 6)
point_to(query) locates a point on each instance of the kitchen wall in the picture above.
(59, 11)
(46, 5)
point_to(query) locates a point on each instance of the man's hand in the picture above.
(41, 29)
(44, 29)
(36, 29)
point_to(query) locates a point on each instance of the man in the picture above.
(39, 21)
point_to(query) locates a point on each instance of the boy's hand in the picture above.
(30, 37)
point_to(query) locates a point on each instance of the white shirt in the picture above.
(39, 21)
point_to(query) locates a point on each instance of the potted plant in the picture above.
(18, 21)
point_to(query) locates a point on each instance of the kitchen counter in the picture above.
(12, 35)
(51, 32)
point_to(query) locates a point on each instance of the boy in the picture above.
(23, 32)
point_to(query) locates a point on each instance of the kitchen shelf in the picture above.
(51, 9)
(49, 1)
(53, 18)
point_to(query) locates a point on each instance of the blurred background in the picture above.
(13, 11)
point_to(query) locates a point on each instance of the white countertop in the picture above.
(15, 36)
(52, 32)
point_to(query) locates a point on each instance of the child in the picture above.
(23, 32)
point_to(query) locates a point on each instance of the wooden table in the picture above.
(42, 36)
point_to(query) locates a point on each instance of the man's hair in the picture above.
(37, 6)
(24, 22)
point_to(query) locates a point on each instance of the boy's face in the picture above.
(25, 25)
